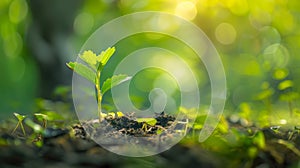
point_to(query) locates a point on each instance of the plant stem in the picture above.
(99, 95)
(22, 127)
(15, 128)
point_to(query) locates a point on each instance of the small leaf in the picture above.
(114, 81)
(149, 121)
(105, 55)
(52, 116)
(41, 117)
(285, 84)
(120, 114)
(20, 117)
(90, 58)
(280, 74)
(83, 71)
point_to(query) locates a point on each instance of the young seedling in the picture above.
(20, 120)
(93, 71)
(146, 122)
(43, 118)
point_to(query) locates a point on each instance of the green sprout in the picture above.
(146, 122)
(42, 117)
(92, 72)
(20, 120)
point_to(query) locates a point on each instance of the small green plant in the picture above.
(93, 71)
(146, 122)
(20, 123)
(42, 117)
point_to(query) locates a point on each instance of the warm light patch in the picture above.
(186, 10)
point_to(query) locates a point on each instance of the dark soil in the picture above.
(73, 147)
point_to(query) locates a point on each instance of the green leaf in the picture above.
(280, 74)
(105, 56)
(19, 116)
(90, 58)
(149, 121)
(41, 117)
(83, 71)
(120, 114)
(285, 84)
(52, 116)
(114, 81)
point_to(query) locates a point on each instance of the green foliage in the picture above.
(285, 84)
(92, 72)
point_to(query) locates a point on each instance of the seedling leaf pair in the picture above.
(92, 72)
(20, 120)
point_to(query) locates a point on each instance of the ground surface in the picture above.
(241, 146)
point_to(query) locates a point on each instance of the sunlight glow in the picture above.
(186, 10)
(238, 7)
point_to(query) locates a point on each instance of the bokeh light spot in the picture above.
(225, 33)
(269, 35)
(276, 56)
(17, 11)
(186, 10)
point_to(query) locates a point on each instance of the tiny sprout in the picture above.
(146, 122)
(42, 117)
(20, 120)
(92, 72)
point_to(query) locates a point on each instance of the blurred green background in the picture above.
(258, 41)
